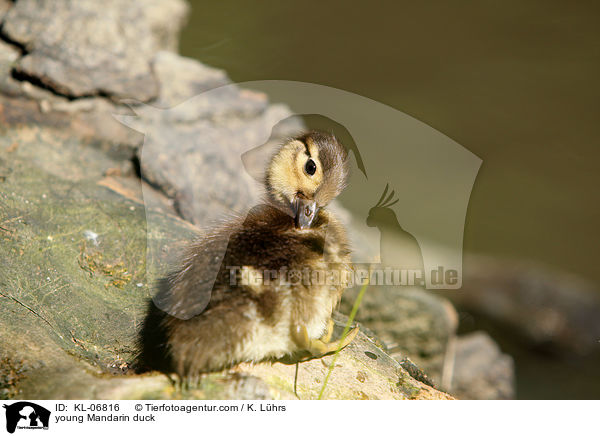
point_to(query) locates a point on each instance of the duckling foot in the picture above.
(327, 336)
(320, 347)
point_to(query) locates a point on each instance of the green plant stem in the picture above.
(344, 334)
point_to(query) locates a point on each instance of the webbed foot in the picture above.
(322, 346)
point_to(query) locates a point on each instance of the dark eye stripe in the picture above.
(306, 150)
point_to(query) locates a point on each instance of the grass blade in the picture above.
(344, 334)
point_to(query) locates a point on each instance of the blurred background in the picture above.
(516, 83)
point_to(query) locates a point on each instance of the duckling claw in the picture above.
(319, 347)
(327, 335)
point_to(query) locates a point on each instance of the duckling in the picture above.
(213, 326)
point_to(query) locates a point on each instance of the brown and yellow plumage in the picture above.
(210, 326)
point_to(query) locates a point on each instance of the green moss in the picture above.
(92, 261)
(69, 293)
(406, 385)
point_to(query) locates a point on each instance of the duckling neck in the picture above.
(268, 214)
(273, 217)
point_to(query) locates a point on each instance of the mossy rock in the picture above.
(74, 283)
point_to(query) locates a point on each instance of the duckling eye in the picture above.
(310, 167)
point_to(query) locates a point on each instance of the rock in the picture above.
(411, 322)
(481, 370)
(63, 155)
(83, 237)
(202, 132)
(551, 311)
(183, 78)
(179, 160)
(416, 372)
(165, 19)
(5, 5)
(77, 49)
(74, 288)
(91, 119)
(69, 293)
(8, 57)
(362, 371)
(191, 91)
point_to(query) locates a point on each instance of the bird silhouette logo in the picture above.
(398, 248)
(417, 225)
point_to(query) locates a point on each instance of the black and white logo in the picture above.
(26, 415)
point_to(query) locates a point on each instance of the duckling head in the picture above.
(306, 173)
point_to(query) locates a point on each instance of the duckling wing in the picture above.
(188, 290)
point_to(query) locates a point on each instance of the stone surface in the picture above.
(73, 289)
(82, 235)
(5, 5)
(8, 57)
(90, 119)
(183, 78)
(417, 325)
(361, 371)
(78, 49)
(411, 322)
(195, 164)
(551, 311)
(481, 370)
(195, 139)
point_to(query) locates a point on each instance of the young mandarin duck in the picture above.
(270, 298)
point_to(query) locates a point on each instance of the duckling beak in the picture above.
(306, 211)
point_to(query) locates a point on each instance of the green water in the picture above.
(515, 82)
